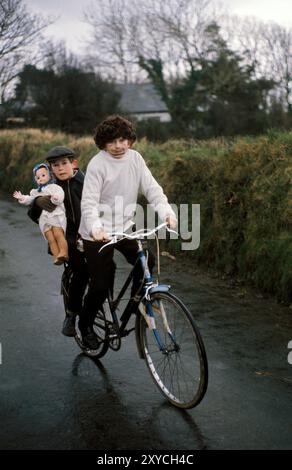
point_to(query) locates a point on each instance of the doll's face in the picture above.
(42, 176)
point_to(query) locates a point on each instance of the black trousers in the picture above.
(79, 281)
(101, 268)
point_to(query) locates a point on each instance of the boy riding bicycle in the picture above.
(113, 179)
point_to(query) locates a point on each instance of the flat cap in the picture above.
(59, 152)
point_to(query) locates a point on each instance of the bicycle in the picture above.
(166, 333)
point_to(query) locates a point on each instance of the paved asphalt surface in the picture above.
(52, 397)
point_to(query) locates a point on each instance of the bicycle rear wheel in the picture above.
(178, 365)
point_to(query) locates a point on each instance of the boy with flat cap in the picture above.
(61, 160)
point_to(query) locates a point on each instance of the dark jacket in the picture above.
(73, 192)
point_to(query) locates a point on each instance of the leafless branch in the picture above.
(19, 31)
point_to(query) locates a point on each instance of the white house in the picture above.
(142, 101)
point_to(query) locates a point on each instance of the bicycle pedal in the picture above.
(113, 333)
(113, 336)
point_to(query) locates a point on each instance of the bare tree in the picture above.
(278, 53)
(113, 27)
(19, 30)
(267, 48)
(126, 30)
(55, 56)
(245, 35)
(181, 24)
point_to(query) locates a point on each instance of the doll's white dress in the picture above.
(56, 218)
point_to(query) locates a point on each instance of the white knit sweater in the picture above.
(110, 192)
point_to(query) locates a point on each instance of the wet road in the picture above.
(52, 397)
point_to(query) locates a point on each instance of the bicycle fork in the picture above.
(148, 315)
(150, 320)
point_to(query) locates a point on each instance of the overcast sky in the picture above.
(69, 25)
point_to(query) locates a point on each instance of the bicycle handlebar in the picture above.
(138, 235)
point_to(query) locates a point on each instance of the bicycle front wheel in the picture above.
(174, 353)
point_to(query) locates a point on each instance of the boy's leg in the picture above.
(77, 288)
(129, 248)
(49, 234)
(79, 279)
(100, 266)
(61, 242)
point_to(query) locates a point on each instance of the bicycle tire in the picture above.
(181, 374)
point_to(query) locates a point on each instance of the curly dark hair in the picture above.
(113, 127)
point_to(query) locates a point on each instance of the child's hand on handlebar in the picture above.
(171, 221)
(100, 236)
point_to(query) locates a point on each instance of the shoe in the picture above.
(69, 325)
(89, 338)
(61, 260)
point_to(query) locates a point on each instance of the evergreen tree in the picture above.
(70, 99)
(218, 96)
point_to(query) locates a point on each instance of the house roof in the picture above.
(140, 98)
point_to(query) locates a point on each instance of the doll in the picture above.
(52, 224)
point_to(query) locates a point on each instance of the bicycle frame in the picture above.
(147, 282)
(149, 287)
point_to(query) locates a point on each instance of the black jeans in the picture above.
(79, 281)
(101, 268)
